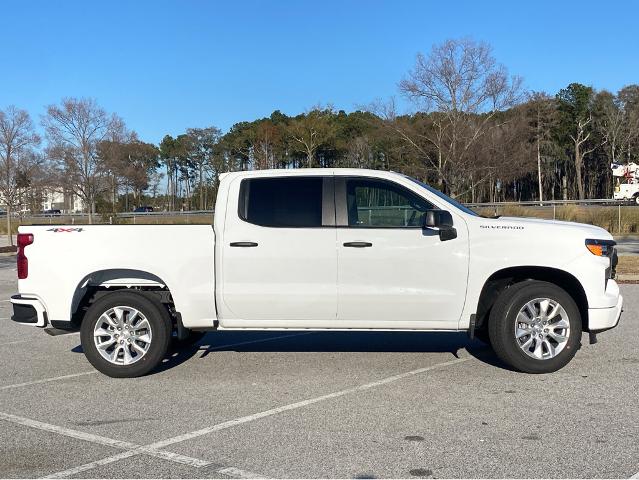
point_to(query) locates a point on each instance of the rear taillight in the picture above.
(24, 239)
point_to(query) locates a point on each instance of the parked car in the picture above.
(54, 212)
(321, 249)
(143, 210)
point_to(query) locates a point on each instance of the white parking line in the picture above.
(73, 375)
(90, 466)
(47, 380)
(15, 342)
(31, 340)
(228, 471)
(249, 418)
(237, 473)
(100, 440)
(296, 405)
(636, 475)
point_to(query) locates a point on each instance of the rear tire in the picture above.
(535, 327)
(133, 331)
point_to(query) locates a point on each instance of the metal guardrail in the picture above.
(536, 203)
(185, 215)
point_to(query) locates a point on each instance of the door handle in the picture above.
(358, 244)
(243, 244)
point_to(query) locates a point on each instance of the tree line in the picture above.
(473, 132)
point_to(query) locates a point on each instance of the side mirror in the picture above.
(442, 220)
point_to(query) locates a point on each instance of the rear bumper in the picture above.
(600, 319)
(28, 311)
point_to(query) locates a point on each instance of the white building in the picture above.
(64, 201)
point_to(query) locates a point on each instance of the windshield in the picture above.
(444, 197)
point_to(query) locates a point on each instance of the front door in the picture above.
(279, 261)
(390, 269)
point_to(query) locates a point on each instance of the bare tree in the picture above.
(17, 158)
(311, 131)
(463, 87)
(74, 129)
(541, 110)
(574, 107)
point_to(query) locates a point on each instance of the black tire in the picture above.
(482, 335)
(158, 318)
(501, 326)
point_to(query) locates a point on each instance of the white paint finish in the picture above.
(31, 341)
(48, 380)
(227, 471)
(70, 472)
(505, 242)
(604, 318)
(250, 418)
(408, 275)
(291, 279)
(154, 249)
(100, 440)
(237, 473)
(290, 275)
(294, 406)
(36, 305)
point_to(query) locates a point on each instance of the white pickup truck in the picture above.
(321, 249)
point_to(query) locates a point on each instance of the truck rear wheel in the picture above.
(126, 334)
(535, 327)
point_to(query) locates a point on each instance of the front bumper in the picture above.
(28, 311)
(600, 319)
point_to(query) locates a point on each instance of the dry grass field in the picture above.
(616, 219)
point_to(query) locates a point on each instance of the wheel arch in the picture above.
(100, 282)
(502, 279)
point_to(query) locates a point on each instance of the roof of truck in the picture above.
(308, 171)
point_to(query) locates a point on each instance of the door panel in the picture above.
(407, 274)
(284, 266)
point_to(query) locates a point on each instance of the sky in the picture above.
(165, 66)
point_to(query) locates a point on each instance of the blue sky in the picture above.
(165, 66)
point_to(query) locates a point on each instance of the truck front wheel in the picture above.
(126, 334)
(535, 327)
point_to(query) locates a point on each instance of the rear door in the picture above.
(279, 258)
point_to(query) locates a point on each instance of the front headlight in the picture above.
(601, 248)
(604, 248)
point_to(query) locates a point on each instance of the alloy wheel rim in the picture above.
(542, 328)
(122, 335)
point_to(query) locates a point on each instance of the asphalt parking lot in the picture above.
(348, 405)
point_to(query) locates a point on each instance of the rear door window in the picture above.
(291, 202)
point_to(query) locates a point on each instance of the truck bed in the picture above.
(65, 260)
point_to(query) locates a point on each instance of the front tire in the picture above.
(126, 334)
(535, 327)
